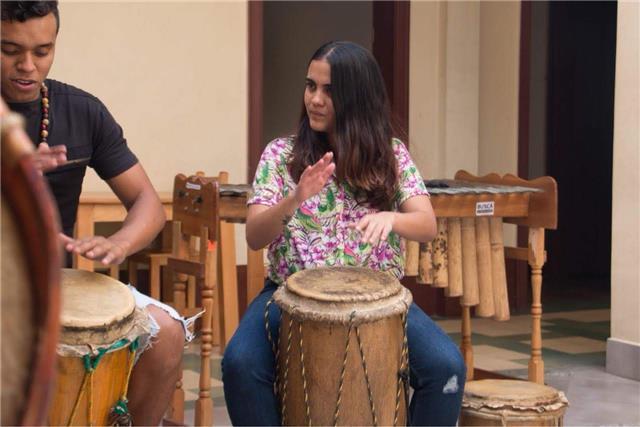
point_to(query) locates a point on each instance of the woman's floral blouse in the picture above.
(318, 234)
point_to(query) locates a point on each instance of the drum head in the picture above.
(341, 284)
(343, 295)
(512, 393)
(95, 308)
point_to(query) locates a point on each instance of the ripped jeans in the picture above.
(437, 370)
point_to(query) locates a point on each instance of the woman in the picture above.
(340, 192)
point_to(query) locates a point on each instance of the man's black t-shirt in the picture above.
(80, 121)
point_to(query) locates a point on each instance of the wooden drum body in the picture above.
(29, 294)
(101, 329)
(342, 351)
(511, 403)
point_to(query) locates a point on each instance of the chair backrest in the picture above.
(195, 204)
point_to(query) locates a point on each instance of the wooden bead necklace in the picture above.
(44, 124)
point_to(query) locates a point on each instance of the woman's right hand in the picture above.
(314, 178)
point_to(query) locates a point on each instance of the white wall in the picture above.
(623, 348)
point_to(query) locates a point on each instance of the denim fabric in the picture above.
(437, 371)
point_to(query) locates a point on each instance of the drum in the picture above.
(342, 354)
(101, 330)
(511, 403)
(30, 294)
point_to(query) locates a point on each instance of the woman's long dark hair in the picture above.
(362, 146)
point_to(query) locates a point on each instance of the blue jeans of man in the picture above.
(437, 371)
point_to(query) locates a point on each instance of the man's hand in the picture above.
(97, 248)
(47, 158)
(314, 178)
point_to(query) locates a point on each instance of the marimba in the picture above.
(467, 257)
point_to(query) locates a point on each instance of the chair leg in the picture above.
(133, 273)
(154, 278)
(114, 271)
(180, 292)
(176, 408)
(204, 405)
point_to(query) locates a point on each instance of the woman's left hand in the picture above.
(375, 228)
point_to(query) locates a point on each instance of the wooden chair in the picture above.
(195, 218)
(155, 259)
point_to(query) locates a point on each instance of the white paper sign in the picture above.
(484, 208)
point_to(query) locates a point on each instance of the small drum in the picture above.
(511, 403)
(101, 330)
(342, 352)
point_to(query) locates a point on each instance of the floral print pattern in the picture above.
(319, 234)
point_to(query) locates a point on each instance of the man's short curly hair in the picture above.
(22, 10)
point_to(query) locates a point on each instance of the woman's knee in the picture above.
(246, 364)
(445, 367)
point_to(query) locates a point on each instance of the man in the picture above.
(73, 130)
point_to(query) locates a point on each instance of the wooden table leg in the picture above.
(229, 283)
(84, 228)
(255, 273)
(465, 344)
(536, 261)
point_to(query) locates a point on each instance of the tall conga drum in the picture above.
(101, 331)
(30, 275)
(511, 403)
(342, 355)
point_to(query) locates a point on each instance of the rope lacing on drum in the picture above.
(343, 371)
(403, 373)
(276, 353)
(366, 377)
(304, 375)
(119, 414)
(90, 365)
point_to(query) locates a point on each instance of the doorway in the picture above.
(571, 139)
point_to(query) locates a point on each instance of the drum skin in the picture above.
(320, 329)
(511, 403)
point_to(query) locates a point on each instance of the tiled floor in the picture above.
(573, 351)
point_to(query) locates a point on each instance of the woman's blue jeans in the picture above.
(437, 371)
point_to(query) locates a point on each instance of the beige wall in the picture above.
(174, 75)
(625, 245)
(463, 88)
(499, 84)
(463, 98)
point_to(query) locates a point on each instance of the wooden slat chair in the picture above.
(155, 259)
(195, 217)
